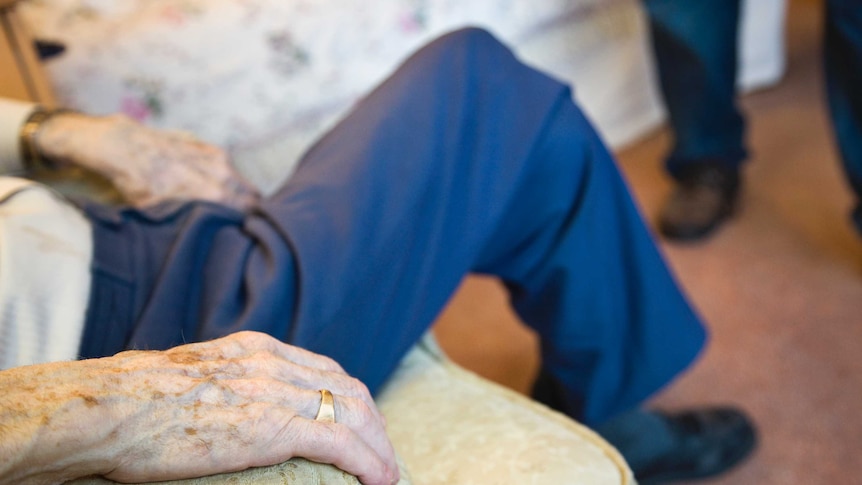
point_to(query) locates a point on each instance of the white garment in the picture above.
(13, 114)
(46, 247)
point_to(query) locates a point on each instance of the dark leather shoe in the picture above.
(707, 442)
(705, 197)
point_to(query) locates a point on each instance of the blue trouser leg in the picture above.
(695, 45)
(843, 65)
(464, 160)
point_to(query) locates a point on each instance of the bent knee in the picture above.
(474, 42)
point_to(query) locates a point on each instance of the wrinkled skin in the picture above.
(147, 166)
(237, 402)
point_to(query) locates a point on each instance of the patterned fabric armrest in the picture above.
(296, 471)
(452, 426)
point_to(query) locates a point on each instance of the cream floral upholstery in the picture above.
(453, 427)
(294, 472)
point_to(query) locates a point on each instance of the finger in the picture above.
(181, 135)
(290, 365)
(340, 384)
(230, 175)
(223, 348)
(255, 345)
(354, 413)
(357, 415)
(187, 184)
(299, 377)
(259, 375)
(341, 446)
(237, 192)
(300, 367)
(237, 185)
(262, 341)
(367, 422)
(242, 201)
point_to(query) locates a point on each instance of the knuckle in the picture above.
(219, 154)
(120, 118)
(359, 411)
(358, 388)
(342, 436)
(330, 364)
(250, 337)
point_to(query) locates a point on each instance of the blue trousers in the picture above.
(465, 160)
(696, 53)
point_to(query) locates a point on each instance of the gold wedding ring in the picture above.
(326, 413)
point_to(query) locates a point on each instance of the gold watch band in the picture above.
(30, 155)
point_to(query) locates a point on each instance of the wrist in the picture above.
(33, 153)
(57, 431)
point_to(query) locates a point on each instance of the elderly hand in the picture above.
(241, 401)
(147, 166)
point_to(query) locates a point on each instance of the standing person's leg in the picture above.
(695, 45)
(843, 64)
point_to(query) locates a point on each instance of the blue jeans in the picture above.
(465, 160)
(695, 49)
